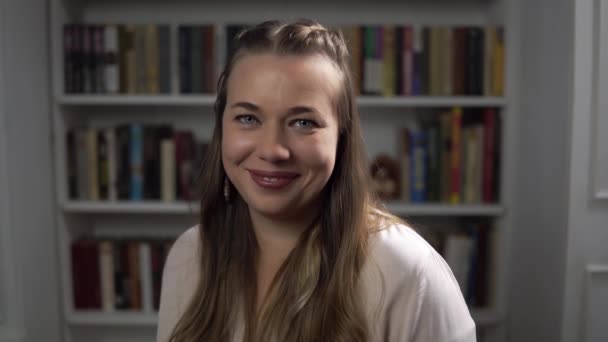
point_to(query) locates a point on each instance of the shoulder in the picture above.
(185, 249)
(414, 291)
(179, 280)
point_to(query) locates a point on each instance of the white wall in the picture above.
(588, 218)
(540, 210)
(27, 232)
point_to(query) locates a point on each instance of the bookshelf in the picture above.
(379, 114)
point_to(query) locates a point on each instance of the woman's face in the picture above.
(280, 132)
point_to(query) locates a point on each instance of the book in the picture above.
(86, 282)
(106, 265)
(456, 162)
(111, 73)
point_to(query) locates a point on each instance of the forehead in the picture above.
(258, 77)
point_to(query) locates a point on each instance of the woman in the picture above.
(291, 245)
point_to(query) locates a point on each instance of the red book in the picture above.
(86, 280)
(489, 155)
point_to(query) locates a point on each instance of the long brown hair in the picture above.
(314, 296)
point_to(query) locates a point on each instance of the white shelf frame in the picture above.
(209, 100)
(453, 13)
(482, 317)
(156, 207)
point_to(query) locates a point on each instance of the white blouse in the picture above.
(409, 291)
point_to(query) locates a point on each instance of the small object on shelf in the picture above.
(385, 177)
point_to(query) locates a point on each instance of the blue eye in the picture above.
(247, 119)
(304, 123)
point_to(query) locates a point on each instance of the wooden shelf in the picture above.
(482, 317)
(155, 207)
(209, 100)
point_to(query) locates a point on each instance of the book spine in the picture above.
(102, 158)
(140, 59)
(110, 136)
(488, 50)
(68, 59)
(152, 66)
(123, 165)
(86, 282)
(168, 170)
(499, 62)
(93, 168)
(185, 82)
(134, 275)
(145, 273)
(72, 164)
(111, 69)
(136, 161)
(408, 60)
(388, 61)
(419, 164)
(164, 43)
(490, 127)
(106, 265)
(455, 184)
(447, 61)
(99, 59)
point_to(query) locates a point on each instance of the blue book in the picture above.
(137, 161)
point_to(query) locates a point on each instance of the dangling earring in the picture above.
(226, 190)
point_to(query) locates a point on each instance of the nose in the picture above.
(272, 146)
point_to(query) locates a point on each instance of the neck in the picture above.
(276, 238)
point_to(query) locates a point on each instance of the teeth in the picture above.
(270, 179)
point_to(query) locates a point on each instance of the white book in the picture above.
(145, 273)
(111, 148)
(167, 170)
(106, 267)
(458, 254)
(111, 68)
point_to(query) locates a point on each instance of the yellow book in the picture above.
(152, 59)
(499, 62)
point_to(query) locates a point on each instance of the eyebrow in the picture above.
(292, 111)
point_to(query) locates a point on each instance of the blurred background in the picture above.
(485, 121)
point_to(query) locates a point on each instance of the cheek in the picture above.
(235, 147)
(320, 155)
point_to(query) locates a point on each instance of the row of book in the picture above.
(452, 159)
(110, 275)
(136, 59)
(133, 161)
(467, 249)
(386, 60)
(437, 60)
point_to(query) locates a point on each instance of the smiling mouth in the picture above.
(272, 179)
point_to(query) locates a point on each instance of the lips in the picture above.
(272, 179)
